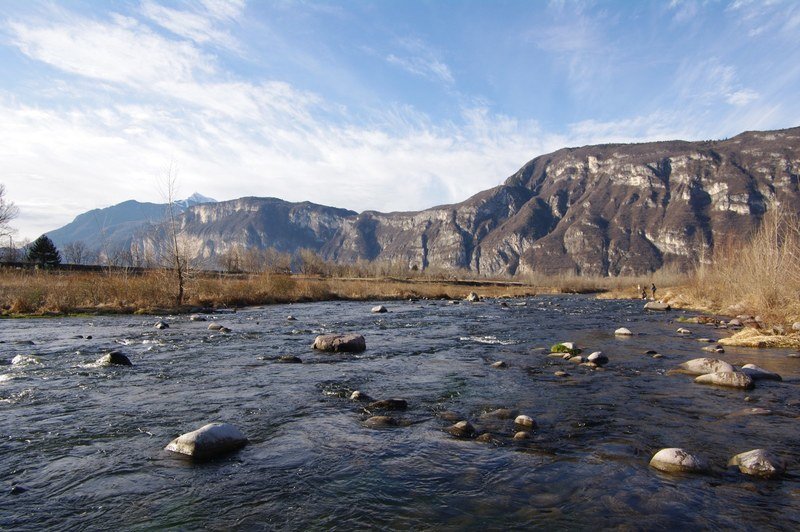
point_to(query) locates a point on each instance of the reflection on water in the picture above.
(86, 442)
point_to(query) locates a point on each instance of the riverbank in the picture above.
(43, 293)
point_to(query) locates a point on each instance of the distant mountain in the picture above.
(603, 210)
(113, 228)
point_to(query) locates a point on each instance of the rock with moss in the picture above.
(566, 347)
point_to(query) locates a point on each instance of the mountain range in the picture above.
(611, 209)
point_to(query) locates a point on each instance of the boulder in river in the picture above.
(462, 429)
(676, 460)
(380, 309)
(24, 360)
(500, 413)
(376, 422)
(197, 317)
(349, 343)
(161, 325)
(759, 463)
(214, 326)
(683, 330)
(623, 331)
(524, 421)
(598, 358)
(290, 318)
(289, 359)
(703, 366)
(208, 441)
(499, 364)
(714, 348)
(388, 404)
(757, 374)
(728, 379)
(113, 358)
(657, 305)
(473, 297)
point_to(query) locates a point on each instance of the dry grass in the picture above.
(760, 277)
(758, 338)
(25, 292)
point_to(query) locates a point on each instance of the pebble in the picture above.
(561, 374)
(290, 318)
(522, 435)
(658, 355)
(499, 364)
(380, 309)
(683, 330)
(161, 325)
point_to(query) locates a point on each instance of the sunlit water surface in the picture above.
(86, 443)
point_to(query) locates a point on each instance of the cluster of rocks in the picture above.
(720, 373)
(758, 462)
(572, 353)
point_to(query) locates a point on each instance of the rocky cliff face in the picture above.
(603, 210)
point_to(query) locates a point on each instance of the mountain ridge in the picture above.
(610, 209)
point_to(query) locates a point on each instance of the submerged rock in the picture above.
(376, 422)
(657, 305)
(25, 360)
(499, 364)
(485, 438)
(161, 325)
(289, 359)
(676, 460)
(113, 358)
(208, 441)
(214, 326)
(759, 463)
(500, 413)
(756, 373)
(388, 404)
(522, 435)
(349, 343)
(561, 374)
(290, 318)
(683, 330)
(714, 349)
(359, 396)
(598, 358)
(623, 331)
(462, 429)
(703, 366)
(728, 379)
(197, 317)
(380, 309)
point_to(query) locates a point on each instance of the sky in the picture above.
(368, 105)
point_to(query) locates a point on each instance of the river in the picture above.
(81, 447)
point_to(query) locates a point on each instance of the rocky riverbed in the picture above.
(437, 437)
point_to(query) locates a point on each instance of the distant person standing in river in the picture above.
(653, 288)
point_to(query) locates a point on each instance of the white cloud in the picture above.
(741, 97)
(197, 25)
(120, 51)
(421, 60)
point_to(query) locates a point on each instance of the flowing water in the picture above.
(85, 443)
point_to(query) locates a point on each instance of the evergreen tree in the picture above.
(44, 253)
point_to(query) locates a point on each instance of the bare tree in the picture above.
(176, 246)
(8, 211)
(76, 252)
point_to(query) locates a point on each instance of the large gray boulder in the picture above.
(703, 366)
(759, 463)
(757, 373)
(350, 343)
(657, 305)
(727, 379)
(208, 441)
(676, 460)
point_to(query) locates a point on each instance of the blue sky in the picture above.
(387, 105)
